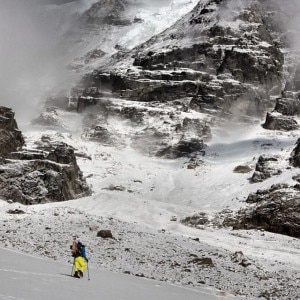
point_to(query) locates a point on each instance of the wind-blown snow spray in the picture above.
(34, 51)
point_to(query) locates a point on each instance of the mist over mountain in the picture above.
(39, 38)
(28, 56)
(33, 53)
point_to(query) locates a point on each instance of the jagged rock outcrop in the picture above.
(276, 210)
(225, 51)
(288, 106)
(266, 167)
(184, 148)
(39, 177)
(11, 138)
(161, 142)
(276, 121)
(62, 154)
(221, 65)
(47, 174)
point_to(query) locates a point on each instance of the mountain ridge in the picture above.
(185, 128)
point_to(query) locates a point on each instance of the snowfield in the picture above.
(30, 278)
(142, 200)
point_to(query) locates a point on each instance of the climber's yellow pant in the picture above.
(79, 264)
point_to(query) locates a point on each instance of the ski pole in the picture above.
(72, 268)
(88, 271)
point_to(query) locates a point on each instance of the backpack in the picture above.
(81, 250)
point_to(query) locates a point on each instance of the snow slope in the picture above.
(31, 278)
(210, 187)
(143, 199)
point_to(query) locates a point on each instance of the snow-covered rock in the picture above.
(225, 65)
(276, 210)
(29, 176)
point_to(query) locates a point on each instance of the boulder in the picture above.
(242, 169)
(184, 148)
(41, 181)
(275, 121)
(105, 234)
(266, 167)
(16, 211)
(276, 210)
(204, 261)
(196, 220)
(288, 106)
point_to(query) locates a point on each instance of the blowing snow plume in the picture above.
(291, 20)
(33, 53)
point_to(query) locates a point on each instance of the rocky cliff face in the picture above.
(224, 65)
(11, 138)
(223, 61)
(203, 53)
(286, 109)
(48, 173)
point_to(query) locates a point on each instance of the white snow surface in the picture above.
(31, 278)
(142, 200)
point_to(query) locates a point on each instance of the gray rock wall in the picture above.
(36, 176)
(11, 138)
